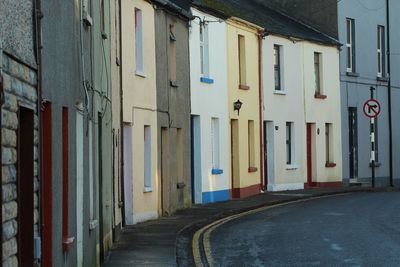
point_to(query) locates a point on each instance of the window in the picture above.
(139, 40)
(215, 143)
(204, 54)
(317, 72)
(172, 55)
(147, 159)
(289, 143)
(251, 148)
(350, 45)
(179, 154)
(242, 61)
(381, 51)
(277, 67)
(328, 143)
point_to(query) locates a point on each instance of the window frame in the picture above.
(278, 67)
(215, 144)
(139, 53)
(147, 159)
(318, 73)
(290, 144)
(381, 52)
(350, 45)
(204, 51)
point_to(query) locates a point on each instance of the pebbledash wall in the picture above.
(19, 70)
(210, 147)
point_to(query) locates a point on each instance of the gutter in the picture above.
(389, 95)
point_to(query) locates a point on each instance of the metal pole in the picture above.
(372, 128)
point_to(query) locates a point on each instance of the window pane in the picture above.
(349, 57)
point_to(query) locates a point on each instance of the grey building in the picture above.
(77, 203)
(369, 58)
(173, 103)
(19, 83)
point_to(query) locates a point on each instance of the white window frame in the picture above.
(139, 41)
(290, 144)
(350, 44)
(380, 51)
(318, 73)
(215, 144)
(279, 66)
(204, 50)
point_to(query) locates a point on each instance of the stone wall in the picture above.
(19, 86)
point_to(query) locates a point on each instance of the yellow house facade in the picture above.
(243, 105)
(139, 111)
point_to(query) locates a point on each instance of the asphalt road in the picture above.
(361, 229)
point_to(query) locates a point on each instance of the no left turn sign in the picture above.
(372, 108)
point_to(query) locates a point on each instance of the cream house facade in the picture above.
(139, 111)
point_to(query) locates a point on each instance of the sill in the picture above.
(217, 171)
(382, 79)
(180, 185)
(140, 74)
(206, 80)
(330, 165)
(244, 87)
(377, 164)
(93, 224)
(67, 243)
(173, 84)
(292, 167)
(280, 92)
(319, 96)
(252, 169)
(352, 74)
(147, 189)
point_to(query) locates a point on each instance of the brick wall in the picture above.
(19, 86)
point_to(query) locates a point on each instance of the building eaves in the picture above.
(179, 7)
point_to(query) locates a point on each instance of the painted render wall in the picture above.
(355, 90)
(173, 107)
(246, 183)
(282, 107)
(116, 98)
(321, 111)
(210, 101)
(139, 110)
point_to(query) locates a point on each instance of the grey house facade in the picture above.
(19, 78)
(369, 58)
(173, 103)
(76, 133)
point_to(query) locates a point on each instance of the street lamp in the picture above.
(237, 106)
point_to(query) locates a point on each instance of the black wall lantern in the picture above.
(237, 106)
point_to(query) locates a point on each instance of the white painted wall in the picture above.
(321, 111)
(210, 100)
(284, 107)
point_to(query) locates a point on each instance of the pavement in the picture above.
(168, 241)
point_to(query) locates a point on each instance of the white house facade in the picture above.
(209, 110)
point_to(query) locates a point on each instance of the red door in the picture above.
(309, 155)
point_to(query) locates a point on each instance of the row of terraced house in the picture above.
(115, 112)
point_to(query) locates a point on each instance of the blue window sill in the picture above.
(206, 80)
(217, 171)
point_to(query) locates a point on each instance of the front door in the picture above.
(234, 158)
(353, 144)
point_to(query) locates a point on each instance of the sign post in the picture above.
(372, 108)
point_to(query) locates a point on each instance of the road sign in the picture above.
(372, 108)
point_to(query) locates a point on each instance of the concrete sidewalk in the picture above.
(167, 241)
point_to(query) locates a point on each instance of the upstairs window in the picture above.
(350, 45)
(381, 51)
(242, 62)
(204, 54)
(172, 55)
(139, 40)
(317, 73)
(277, 67)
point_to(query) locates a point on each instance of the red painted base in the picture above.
(246, 191)
(323, 184)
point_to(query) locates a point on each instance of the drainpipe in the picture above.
(121, 143)
(389, 96)
(38, 15)
(261, 34)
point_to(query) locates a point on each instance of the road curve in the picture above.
(360, 229)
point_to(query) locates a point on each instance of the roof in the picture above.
(273, 21)
(180, 7)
